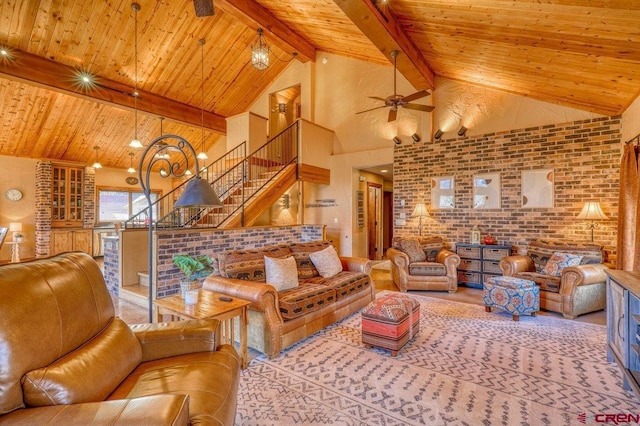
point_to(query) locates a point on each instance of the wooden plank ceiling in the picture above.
(579, 53)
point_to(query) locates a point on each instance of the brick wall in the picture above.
(585, 156)
(206, 241)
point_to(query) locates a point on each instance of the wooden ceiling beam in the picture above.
(386, 33)
(255, 16)
(42, 72)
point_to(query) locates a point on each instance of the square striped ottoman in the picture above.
(390, 321)
(514, 295)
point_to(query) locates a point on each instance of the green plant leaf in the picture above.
(194, 267)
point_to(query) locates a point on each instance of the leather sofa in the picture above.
(66, 359)
(423, 263)
(278, 319)
(577, 290)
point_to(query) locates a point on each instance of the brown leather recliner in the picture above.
(66, 359)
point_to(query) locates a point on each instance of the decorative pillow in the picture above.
(326, 262)
(558, 261)
(281, 273)
(412, 248)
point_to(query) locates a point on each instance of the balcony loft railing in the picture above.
(236, 178)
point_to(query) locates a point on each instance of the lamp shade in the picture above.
(420, 210)
(15, 227)
(592, 211)
(198, 193)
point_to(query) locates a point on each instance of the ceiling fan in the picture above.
(394, 101)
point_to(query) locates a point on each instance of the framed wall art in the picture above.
(537, 188)
(486, 191)
(443, 192)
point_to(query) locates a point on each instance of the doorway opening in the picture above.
(284, 109)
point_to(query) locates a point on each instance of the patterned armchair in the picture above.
(571, 276)
(423, 263)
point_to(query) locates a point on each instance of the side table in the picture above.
(210, 306)
(15, 251)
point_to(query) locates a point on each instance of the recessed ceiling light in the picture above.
(384, 171)
(6, 54)
(85, 80)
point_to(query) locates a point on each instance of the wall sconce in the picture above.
(396, 140)
(462, 131)
(592, 212)
(286, 201)
(415, 137)
(437, 135)
(282, 108)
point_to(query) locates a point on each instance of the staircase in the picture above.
(247, 185)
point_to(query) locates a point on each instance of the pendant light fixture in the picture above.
(97, 164)
(202, 155)
(135, 143)
(131, 169)
(162, 144)
(260, 53)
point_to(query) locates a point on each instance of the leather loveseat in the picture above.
(66, 359)
(278, 319)
(423, 263)
(571, 291)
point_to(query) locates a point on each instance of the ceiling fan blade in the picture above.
(203, 8)
(367, 110)
(392, 115)
(417, 95)
(377, 98)
(418, 107)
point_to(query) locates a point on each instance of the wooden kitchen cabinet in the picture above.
(63, 240)
(67, 196)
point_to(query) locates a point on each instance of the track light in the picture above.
(437, 135)
(415, 137)
(396, 140)
(462, 131)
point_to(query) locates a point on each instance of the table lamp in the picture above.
(16, 228)
(420, 211)
(592, 212)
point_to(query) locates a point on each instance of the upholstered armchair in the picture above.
(423, 263)
(573, 286)
(68, 360)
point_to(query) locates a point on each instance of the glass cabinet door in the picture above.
(66, 196)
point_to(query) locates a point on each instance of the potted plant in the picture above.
(18, 237)
(194, 268)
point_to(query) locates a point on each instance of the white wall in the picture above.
(631, 121)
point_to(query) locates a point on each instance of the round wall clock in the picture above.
(13, 194)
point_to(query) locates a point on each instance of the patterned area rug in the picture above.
(466, 367)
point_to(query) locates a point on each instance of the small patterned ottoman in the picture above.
(514, 295)
(390, 321)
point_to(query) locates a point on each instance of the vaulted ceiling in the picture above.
(579, 53)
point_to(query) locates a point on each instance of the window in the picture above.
(118, 205)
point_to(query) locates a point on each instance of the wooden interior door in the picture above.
(374, 208)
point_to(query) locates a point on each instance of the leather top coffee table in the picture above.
(210, 306)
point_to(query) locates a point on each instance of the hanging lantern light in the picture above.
(260, 53)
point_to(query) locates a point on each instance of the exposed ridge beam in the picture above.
(42, 72)
(255, 16)
(386, 33)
